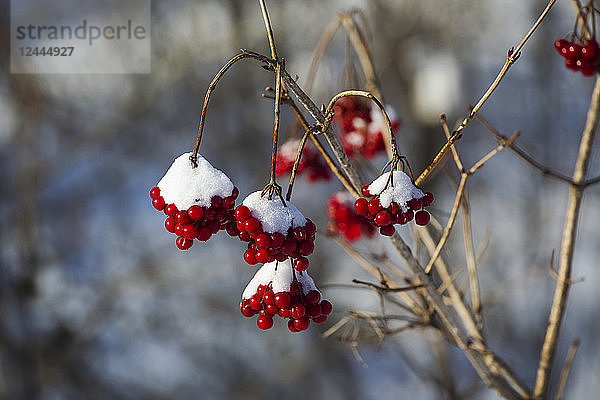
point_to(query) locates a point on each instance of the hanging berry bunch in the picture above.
(394, 199)
(311, 162)
(361, 126)
(581, 50)
(278, 289)
(274, 230)
(580, 55)
(344, 220)
(198, 201)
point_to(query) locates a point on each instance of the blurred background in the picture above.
(96, 301)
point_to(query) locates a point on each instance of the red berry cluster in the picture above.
(584, 57)
(298, 307)
(310, 162)
(197, 222)
(344, 220)
(385, 218)
(264, 247)
(360, 133)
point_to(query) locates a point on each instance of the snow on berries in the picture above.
(583, 56)
(393, 201)
(278, 289)
(344, 220)
(198, 201)
(361, 126)
(310, 163)
(274, 231)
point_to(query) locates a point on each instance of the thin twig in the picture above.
(512, 56)
(387, 289)
(566, 248)
(564, 373)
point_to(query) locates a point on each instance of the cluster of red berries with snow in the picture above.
(277, 289)
(274, 231)
(198, 201)
(584, 57)
(344, 220)
(361, 126)
(310, 163)
(393, 201)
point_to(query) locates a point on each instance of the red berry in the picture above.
(171, 210)
(232, 229)
(326, 307)
(210, 214)
(313, 297)
(263, 256)
(159, 203)
(301, 323)
(415, 204)
(291, 326)
(374, 206)
(588, 71)
(320, 319)
(560, 44)
(387, 230)
(284, 312)
(235, 192)
(263, 241)
(272, 309)
(280, 257)
(248, 311)
(244, 236)
(301, 263)
(190, 232)
(422, 217)
(204, 234)
(195, 213)
(242, 213)
(252, 225)
(250, 256)
(361, 206)
(182, 218)
(282, 299)
(298, 311)
(170, 224)
(588, 52)
(254, 302)
(264, 322)
(306, 247)
(260, 291)
(300, 233)
(228, 203)
(427, 199)
(383, 218)
(269, 297)
(277, 240)
(310, 227)
(289, 246)
(216, 202)
(574, 51)
(365, 190)
(313, 310)
(183, 243)
(178, 229)
(154, 192)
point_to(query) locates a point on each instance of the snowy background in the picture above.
(97, 303)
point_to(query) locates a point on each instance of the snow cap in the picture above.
(402, 191)
(273, 215)
(280, 275)
(186, 186)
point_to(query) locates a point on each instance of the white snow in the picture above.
(355, 139)
(280, 275)
(344, 197)
(262, 277)
(289, 150)
(273, 215)
(401, 192)
(185, 186)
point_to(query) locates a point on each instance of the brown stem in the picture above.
(288, 195)
(211, 87)
(566, 248)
